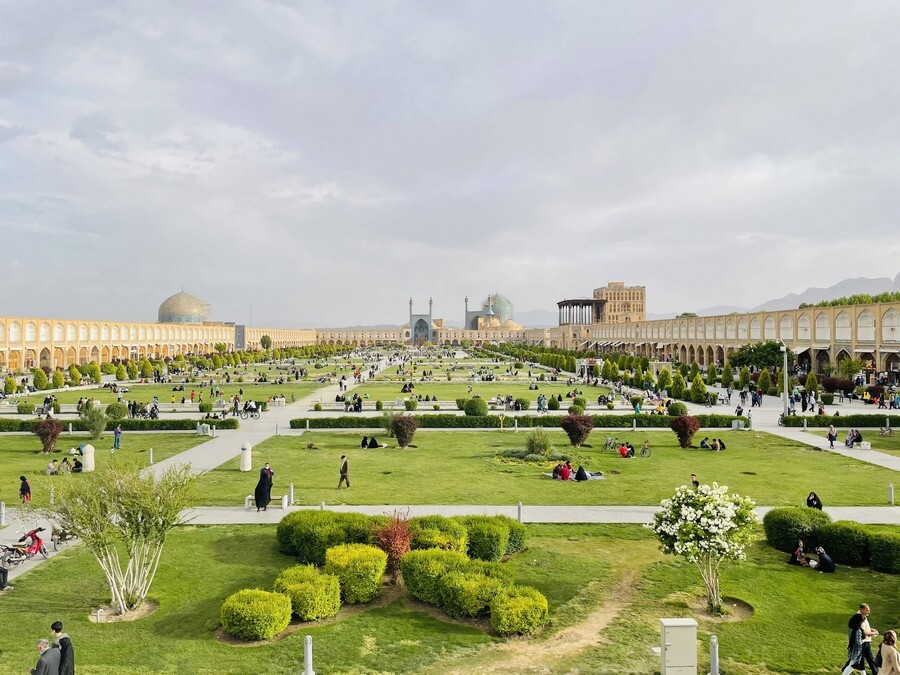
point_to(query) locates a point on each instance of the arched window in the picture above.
(769, 328)
(786, 328)
(842, 327)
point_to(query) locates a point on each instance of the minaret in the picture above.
(430, 323)
(410, 313)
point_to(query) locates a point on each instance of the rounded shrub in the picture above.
(313, 595)
(552, 403)
(467, 594)
(422, 571)
(884, 551)
(252, 614)
(410, 404)
(783, 527)
(309, 534)
(676, 408)
(846, 541)
(359, 568)
(534, 459)
(517, 533)
(116, 411)
(576, 410)
(207, 406)
(25, 408)
(461, 403)
(495, 570)
(488, 538)
(476, 407)
(437, 532)
(610, 405)
(523, 403)
(519, 610)
(379, 406)
(317, 407)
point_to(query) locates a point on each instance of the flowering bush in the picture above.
(707, 526)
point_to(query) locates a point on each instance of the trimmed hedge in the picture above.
(25, 408)
(437, 532)
(309, 534)
(467, 594)
(252, 614)
(488, 538)
(884, 551)
(127, 425)
(846, 541)
(518, 533)
(359, 568)
(447, 421)
(519, 610)
(422, 571)
(783, 527)
(116, 411)
(852, 421)
(313, 595)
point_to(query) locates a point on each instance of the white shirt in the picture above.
(866, 630)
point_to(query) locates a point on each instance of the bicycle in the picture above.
(251, 414)
(645, 449)
(886, 431)
(611, 444)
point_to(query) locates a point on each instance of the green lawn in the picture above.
(21, 455)
(888, 444)
(145, 392)
(450, 391)
(576, 566)
(462, 467)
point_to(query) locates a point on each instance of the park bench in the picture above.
(281, 501)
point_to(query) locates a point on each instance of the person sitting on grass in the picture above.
(77, 466)
(364, 443)
(373, 444)
(824, 563)
(626, 451)
(714, 445)
(813, 501)
(704, 444)
(721, 444)
(582, 475)
(565, 471)
(556, 471)
(798, 557)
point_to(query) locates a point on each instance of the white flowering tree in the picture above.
(707, 526)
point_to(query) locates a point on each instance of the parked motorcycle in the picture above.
(28, 546)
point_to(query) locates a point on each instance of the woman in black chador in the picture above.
(263, 492)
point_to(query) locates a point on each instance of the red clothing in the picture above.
(565, 472)
(623, 451)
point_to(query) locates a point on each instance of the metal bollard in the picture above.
(213, 431)
(291, 493)
(276, 429)
(520, 512)
(307, 425)
(891, 493)
(804, 424)
(307, 656)
(70, 428)
(634, 424)
(321, 506)
(2, 514)
(517, 424)
(713, 655)
(151, 455)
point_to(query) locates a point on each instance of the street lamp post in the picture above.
(784, 374)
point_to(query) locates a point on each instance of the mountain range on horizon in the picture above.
(543, 318)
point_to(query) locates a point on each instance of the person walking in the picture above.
(66, 653)
(48, 661)
(345, 472)
(832, 436)
(890, 657)
(24, 491)
(117, 437)
(859, 645)
(4, 577)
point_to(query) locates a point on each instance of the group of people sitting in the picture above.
(715, 444)
(56, 467)
(853, 437)
(564, 471)
(822, 562)
(370, 442)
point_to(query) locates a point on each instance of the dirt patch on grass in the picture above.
(735, 610)
(540, 656)
(107, 613)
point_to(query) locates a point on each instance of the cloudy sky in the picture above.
(324, 161)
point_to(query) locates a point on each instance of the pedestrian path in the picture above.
(238, 515)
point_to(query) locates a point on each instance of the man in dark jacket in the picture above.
(826, 564)
(66, 652)
(48, 663)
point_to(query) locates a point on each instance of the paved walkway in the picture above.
(234, 515)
